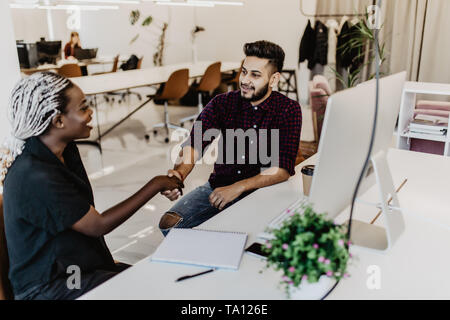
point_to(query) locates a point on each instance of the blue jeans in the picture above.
(194, 208)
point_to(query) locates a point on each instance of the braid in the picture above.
(34, 102)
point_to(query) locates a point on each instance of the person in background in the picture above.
(69, 48)
(54, 233)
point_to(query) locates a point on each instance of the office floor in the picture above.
(129, 161)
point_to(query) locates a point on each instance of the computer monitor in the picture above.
(85, 54)
(48, 51)
(344, 145)
(28, 56)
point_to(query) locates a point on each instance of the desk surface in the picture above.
(109, 82)
(416, 267)
(81, 63)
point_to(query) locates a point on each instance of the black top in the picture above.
(43, 198)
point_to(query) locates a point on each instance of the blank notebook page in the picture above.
(215, 249)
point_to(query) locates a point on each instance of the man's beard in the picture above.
(258, 95)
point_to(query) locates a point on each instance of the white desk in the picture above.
(416, 267)
(109, 82)
(60, 63)
(115, 81)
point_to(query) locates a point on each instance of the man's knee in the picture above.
(168, 220)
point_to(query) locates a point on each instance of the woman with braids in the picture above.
(54, 233)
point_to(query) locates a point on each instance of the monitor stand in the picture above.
(376, 237)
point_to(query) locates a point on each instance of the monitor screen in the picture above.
(48, 51)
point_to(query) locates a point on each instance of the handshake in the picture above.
(171, 185)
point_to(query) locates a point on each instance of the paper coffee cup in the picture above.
(307, 174)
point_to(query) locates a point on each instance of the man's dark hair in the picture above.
(266, 50)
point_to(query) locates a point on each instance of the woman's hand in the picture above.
(173, 195)
(166, 183)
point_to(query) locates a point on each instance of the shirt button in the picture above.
(256, 108)
(255, 126)
(239, 171)
(251, 142)
(243, 157)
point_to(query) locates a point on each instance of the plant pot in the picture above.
(312, 291)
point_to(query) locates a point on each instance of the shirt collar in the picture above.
(265, 105)
(38, 149)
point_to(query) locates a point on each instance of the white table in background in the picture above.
(123, 80)
(416, 267)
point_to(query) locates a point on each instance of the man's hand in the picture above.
(220, 197)
(174, 194)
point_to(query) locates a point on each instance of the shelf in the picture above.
(424, 136)
(427, 88)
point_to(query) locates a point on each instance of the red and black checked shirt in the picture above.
(230, 111)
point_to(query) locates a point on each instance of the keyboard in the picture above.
(277, 222)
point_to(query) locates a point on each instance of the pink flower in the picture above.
(329, 273)
(291, 282)
(349, 242)
(269, 245)
(305, 278)
(315, 246)
(291, 269)
(327, 261)
(285, 279)
(285, 246)
(346, 275)
(341, 242)
(321, 259)
(350, 255)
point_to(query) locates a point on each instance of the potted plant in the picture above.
(312, 252)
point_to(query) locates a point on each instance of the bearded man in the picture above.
(268, 120)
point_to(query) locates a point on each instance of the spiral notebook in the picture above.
(215, 249)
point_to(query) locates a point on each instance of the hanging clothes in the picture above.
(307, 44)
(348, 58)
(321, 45)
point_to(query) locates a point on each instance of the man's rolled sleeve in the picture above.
(290, 128)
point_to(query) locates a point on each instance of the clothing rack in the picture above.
(329, 15)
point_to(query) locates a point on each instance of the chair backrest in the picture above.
(115, 64)
(70, 70)
(211, 79)
(319, 92)
(5, 286)
(139, 64)
(177, 85)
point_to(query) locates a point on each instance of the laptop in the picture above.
(85, 54)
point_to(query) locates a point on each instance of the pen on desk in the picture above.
(194, 275)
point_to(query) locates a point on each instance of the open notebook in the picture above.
(215, 249)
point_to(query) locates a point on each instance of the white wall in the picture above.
(9, 64)
(227, 29)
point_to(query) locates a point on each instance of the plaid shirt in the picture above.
(230, 111)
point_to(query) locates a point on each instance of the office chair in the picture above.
(70, 70)
(319, 91)
(175, 88)
(128, 92)
(114, 68)
(6, 292)
(209, 82)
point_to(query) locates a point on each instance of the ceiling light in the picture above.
(107, 1)
(187, 4)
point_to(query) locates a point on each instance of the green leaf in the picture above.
(147, 21)
(134, 38)
(134, 16)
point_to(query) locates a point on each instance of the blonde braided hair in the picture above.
(34, 102)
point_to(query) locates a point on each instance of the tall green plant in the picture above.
(158, 55)
(358, 41)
